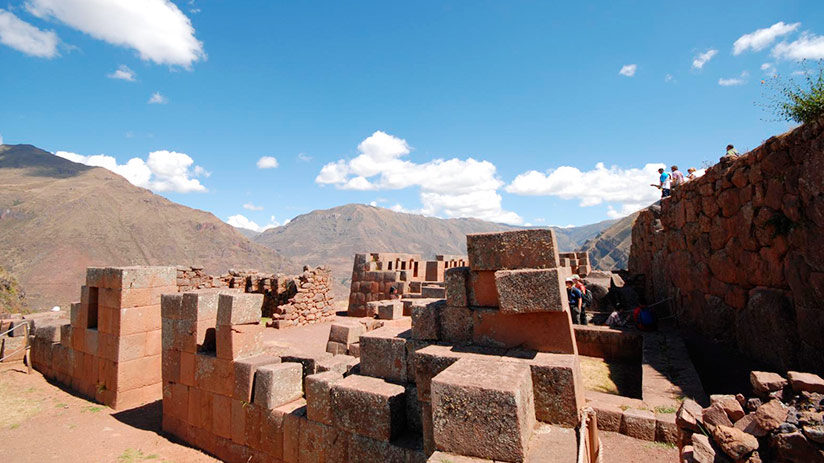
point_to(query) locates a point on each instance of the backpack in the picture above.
(588, 298)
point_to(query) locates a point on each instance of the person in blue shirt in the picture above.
(664, 183)
(576, 303)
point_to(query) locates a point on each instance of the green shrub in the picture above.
(800, 102)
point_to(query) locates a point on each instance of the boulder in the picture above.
(806, 382)
(764, 382)
(689, 416)
(730, 405)
(734, 442)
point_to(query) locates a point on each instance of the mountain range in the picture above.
(58, 217)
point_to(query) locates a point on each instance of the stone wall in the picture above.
(578, 262)
(311, 301)
(741, 252)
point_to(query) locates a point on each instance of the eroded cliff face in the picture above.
(741, 250)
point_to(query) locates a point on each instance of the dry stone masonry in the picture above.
(741, 253)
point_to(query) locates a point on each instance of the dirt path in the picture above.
(39, 422)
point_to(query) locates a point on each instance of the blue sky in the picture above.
(522, 112)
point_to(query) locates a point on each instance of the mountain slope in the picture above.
(58, 217)
(333, 236)
(610, 248)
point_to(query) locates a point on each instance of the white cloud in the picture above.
(451, 187)
(23, 37)
(733, 81)
(157, 98)
(240, 221)
(669, 78)
(122, 73)
(156, 29)
(267, 162)
(303, 157)
(808, 46)
(161, 171)
(703, 58)
(252, 207)
(628, 70)
(630, 188)
(762, 38)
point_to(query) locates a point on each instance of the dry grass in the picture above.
(610, 377)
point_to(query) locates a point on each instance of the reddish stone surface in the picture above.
(512, 250)
(483, 398)
(369, 407)
(543, 331)
(531, 290)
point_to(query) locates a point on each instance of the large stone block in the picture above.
(345, 332)
(200, 305)
(245, 375)
(484, 408)
(390, 310)
(237, 341)
(540, 331)
(456, 280)
(369, 407)
(428, 362)
(558, 388)
(239, 308)
(214, 375)
(512, 250)
(456, 324)
(426, 320)
(278, 384)
(383, 353)
(481, 290)
(531, 290)
(319, 396)
(131, 277)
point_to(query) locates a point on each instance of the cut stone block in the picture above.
(346, 333)
(512, 250)
(639, 424)
(426, 320)
(131, 277)
(245, 375)
(214, 375)
(456, 281)
(433, 292)
(342, 364)
(541, 331)
(481, 290)
(336, 348)
(558, 388)
(383, 353)
(429, 361)
(456, 324)
(474, 400)
(319, 396)
(369, 407)
(391, 310)
(237, 341)
(531, 290)
(278, 384)
(239, 308)
(443, 457)
(310, 361)
(199, 306)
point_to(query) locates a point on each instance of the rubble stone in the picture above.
(807, 382)
(764, 382)
(734, 442)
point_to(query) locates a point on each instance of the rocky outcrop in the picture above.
(741, 252)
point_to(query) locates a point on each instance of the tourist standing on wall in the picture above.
(576, 303)
(691, 174)
(677, 177)
(732, 152)
(664, 183)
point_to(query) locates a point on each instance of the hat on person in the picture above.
(570, 280)
(575, 277)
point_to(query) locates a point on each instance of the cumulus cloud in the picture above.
(733, 81)
(23, 37)
(157, 98)
(762, 38)
(156, 29)
(303, 157)
(451, 187)
(252, 207)
(630, 188)
(703, 58)
(161, 171)
(628, 70)
(808, 46)
(122, 73)
(240, 221)
(267, 162)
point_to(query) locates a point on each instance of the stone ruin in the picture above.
(375, 274)
(110, 351)
(474, 374)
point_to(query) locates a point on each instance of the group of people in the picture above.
(669, 180)
(579, 299)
